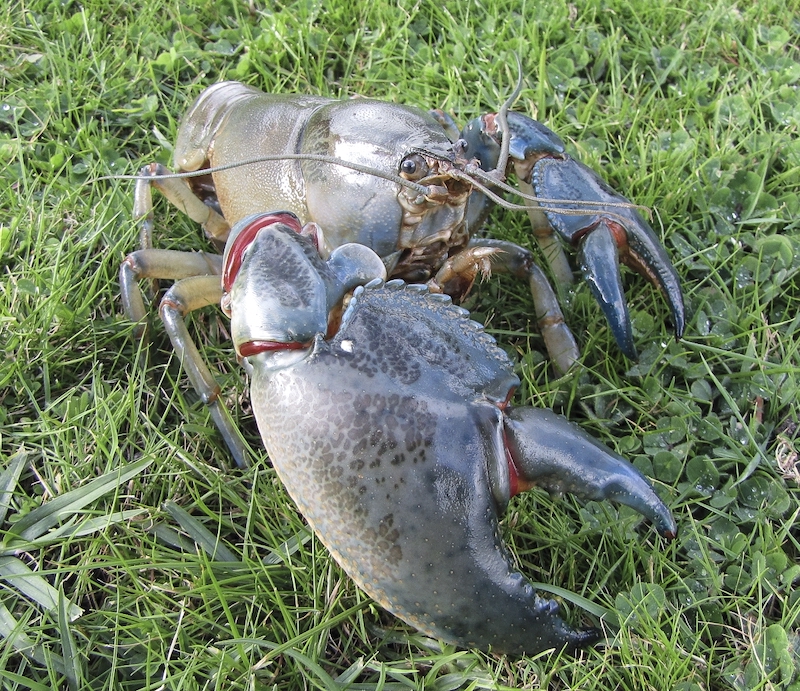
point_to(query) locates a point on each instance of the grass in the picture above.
(185, 574)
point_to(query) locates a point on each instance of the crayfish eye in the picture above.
(413, 167)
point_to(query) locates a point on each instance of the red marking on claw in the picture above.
(516, 481)
(513, 473)
(256, 347)
(245, 238)
(619, 234)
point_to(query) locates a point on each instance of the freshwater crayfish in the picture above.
(389, 421)
(410, 186)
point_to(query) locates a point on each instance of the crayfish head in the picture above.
(432, 224)
(389, 153)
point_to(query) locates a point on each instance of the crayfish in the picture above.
(387, 412)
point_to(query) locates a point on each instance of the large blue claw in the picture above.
(396, 440)
(549, 451)
(637, 245)
(605, 231)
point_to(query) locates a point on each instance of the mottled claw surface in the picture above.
(395, 438)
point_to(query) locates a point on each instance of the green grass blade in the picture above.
(289, 650)
(12, 630)
(86, 527)
(40, 520)
(71, 531)
(34, 586)
(283, 553)
(22, 682)
(9, 479)
(173, 538)
(73, 662)
(277, 649)
(207, 541)
(351, 673)
(325, 680)
(579, 601)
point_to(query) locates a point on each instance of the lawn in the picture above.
(133, 554)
